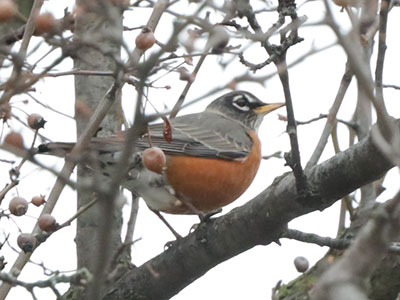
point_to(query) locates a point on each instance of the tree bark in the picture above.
(103, 28)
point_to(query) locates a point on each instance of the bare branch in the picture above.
(330, 122)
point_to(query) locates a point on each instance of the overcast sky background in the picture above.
(251, 275)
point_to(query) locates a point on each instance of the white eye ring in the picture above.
(244, 107)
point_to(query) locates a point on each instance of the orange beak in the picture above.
(267, 108)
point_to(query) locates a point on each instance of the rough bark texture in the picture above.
(384, 283)
(260, 221)
(89, 90)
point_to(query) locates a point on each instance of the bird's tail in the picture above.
(56, 149)
(100, 145)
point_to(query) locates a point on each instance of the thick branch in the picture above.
(260, 221)
(346, 279)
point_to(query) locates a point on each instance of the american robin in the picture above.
(211, 160)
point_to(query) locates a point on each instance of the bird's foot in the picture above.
(204, 218)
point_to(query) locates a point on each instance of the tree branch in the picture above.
(347, 277)
(330, 122)
(222, 238)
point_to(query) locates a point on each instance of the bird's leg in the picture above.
(204, 217)
(177, 235)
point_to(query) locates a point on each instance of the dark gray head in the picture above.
(242, 107)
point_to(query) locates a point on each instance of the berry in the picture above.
(36, 121)
(44, 23)
(154, 159)
(47, 223)
(18, 206)
(8, 9)
(145, 40)
(14, 139)
(38, 200)
(301, 264)
(26, 242)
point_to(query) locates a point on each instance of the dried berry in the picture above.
(47, 223)
(26, 242)
(36, 121)
(18, 206)
(38, 200)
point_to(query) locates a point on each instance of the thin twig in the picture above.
(158, 10)
(49, 107)
(182, 97)
(396, 87)
(42, 237)
(330, 122)
(312, 238)
(323, 241)
(246, 77)
(66, 171)
(81, 276)
(28, 32)
(345, 203)
(29, 155)
(383, 18)
(278, 56)
(14, 174)
(80, 211)
(385, 136)
(293, 160)
(132, 220)
(80, 72)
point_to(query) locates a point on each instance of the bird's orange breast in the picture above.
(209, 184)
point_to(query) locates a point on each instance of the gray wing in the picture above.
(223, 138)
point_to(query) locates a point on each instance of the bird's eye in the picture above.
(241, 103)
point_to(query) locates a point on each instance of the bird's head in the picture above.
(242, 107)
